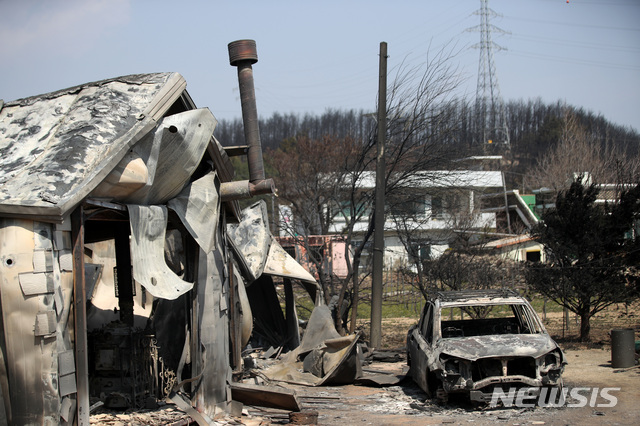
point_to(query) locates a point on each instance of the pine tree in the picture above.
(592, 251)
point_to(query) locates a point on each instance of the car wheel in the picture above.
(442, 396)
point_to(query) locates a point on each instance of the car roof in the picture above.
(505, 295)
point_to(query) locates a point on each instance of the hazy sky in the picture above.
(315, 55)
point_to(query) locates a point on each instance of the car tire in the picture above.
(442, 397)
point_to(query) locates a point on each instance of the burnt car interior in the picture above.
(484, 320)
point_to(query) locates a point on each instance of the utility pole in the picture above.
(378, 236)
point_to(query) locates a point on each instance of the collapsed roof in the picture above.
(58, 147)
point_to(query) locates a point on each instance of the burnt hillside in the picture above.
(534, 128)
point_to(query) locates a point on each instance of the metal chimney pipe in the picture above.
(242, 189)
(243, 54)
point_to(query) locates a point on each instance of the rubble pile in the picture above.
(168, 415)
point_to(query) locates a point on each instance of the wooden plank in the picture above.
(265, 396)
(80, 310)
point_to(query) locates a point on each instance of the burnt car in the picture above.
(472, 342)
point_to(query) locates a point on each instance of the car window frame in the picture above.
(426, 325)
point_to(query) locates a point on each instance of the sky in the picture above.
(320, 55)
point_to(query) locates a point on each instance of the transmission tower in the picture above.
(491, 122)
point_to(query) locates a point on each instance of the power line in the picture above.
(571, 43)
(573, 60)
(571, 24)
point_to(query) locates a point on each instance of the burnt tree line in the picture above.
(316, 161)
(535, 127)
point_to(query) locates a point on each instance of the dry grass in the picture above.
(394, 330)
(613, 317)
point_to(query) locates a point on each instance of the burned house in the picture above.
(124, 255)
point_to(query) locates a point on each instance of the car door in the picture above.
(420, 345)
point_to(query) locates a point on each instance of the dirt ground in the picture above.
(405, 403)
(589, 365)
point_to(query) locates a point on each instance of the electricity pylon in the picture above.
(491, 122)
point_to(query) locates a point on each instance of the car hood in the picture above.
(503, 345)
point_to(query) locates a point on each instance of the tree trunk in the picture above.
(585, 326)
(356, 296)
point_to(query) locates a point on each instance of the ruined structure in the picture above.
(124, 255)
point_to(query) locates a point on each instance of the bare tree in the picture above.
(323, 181)
(411, 219)
(464, 265)
(311, 176)
(420, 108)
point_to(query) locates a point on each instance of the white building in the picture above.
(433, 208)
